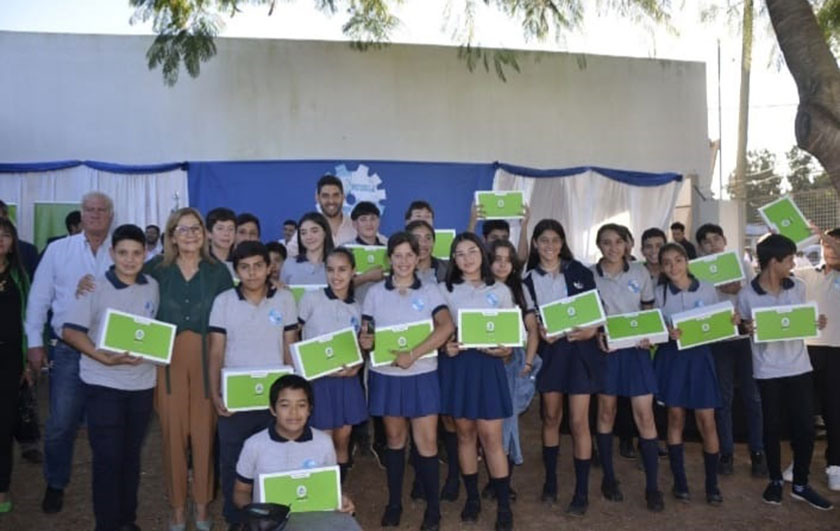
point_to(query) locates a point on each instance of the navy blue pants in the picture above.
(117, 422)
(233, 431)
(733, 365)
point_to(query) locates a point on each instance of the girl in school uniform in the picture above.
(572, 364)
(407, 391)
(339, 397)
(625, 287)
(686, 379)
(474, 390)
(315, 241)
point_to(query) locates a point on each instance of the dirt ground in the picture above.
(742, 508)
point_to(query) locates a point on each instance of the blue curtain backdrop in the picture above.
(277, 190)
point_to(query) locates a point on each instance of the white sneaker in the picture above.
(787, 475)
(833, 475)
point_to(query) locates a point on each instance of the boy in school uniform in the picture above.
(118, 388)
(277, 254)
(783, 371)
(733, 362)
(366, 217)
(652, 240)
(421, 210)
(247, 229)
(251, 325)
(288, 443)
(822, 285)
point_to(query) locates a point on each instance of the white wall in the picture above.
(92, 97)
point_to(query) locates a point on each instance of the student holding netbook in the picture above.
(118, 388)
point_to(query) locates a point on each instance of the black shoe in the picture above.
(807, 494)
(33, 456)
(504, 521)
(654, 500)
(611, 491)
(549, 493)
(431, 522)
(758, 469)
(53, 501)
(714, 498)
(578, 506)
(471, 511)
(392, 515)
(626, 450)
(773, 493)
(488, 492)
(378, 452)
(450, 490)
(417, 490)
(725, 465)
(681, 495)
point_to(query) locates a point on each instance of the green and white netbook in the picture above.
(299, 289)
(247, 389)
(403, 337)
(369, 256)
(704, 325)
(147, 338)
(718, 269)
(304, 491)
(443, 243)
(501, 205)
(784, 217)
(786, 323)
(577, 311)
(326, 354)
(490, 328)
(628, 329)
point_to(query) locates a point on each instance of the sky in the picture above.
(773, 92)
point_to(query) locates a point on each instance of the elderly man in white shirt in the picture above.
(64, 263)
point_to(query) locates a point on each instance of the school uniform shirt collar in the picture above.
(328, 291)
(542, 272)
(276, 437)
(694, 286)
(377, 241)
(787, 283)
(269, 294)
(389, 282)
(115, 281)
(600, 270)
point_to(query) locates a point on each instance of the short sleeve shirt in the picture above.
(435, 274)
(776, 359)
(671, 299)
(547, 287)
(300, 271)
(266, 452)
(87, 315)
(626, 291)
(253, 332)
(386, 306)
(322, 312)
(823, 287)
(466, 296)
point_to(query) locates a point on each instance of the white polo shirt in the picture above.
(322, 312)
(822, 286)
(626, 291)
(299, 270)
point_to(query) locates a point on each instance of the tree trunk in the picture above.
(817, 77)
(740, 184)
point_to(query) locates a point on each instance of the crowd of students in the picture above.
(227, 294)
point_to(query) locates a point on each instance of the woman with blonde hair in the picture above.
(189, 280)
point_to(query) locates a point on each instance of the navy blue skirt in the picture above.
(403, 396)
(474, 385)
(629, 372)
(575, 368)
(338, 402)
(686, 378)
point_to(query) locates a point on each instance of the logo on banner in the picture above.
(360, 185)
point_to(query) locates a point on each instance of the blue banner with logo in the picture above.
(279, 190)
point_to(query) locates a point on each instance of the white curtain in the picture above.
(584, 202)
(141, 199)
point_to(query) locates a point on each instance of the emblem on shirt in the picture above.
(354, 322)
(301, 491)
(139, 334)
(275, 317)
(418, 304)
(577, 284)
(150, 308)
(634, 286)
(492, 299)
(837, 283)
(698, 304)
(309, 463)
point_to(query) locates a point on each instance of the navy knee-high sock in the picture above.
(650, 460)
(710, 461)
(450, 441)
(427, 470)
(502, 487)
(604, 441)
(395, 469)
(582, 478)
(550, 464)
(471, 485)
(675, 456)
(343, 468)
